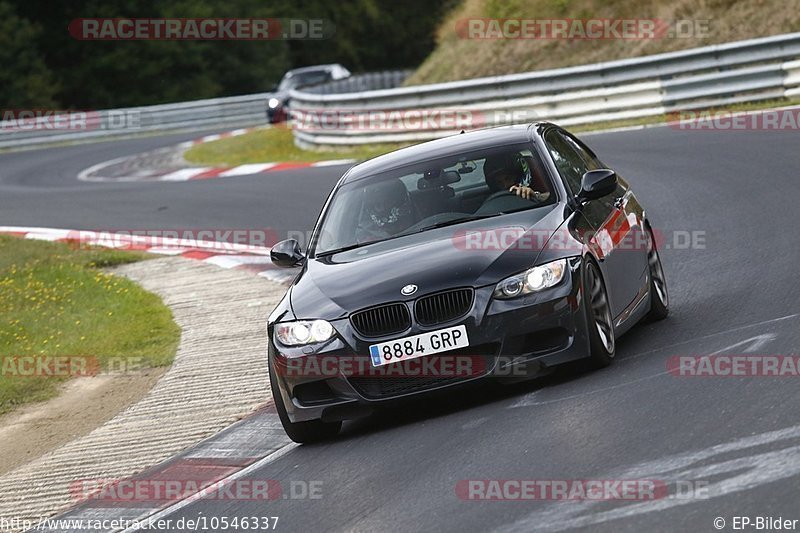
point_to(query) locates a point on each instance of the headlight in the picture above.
(273, 103)
(532, 280)
(303, 332)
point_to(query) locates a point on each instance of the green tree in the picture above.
(107, 74)
(369, 35)
(25, 80)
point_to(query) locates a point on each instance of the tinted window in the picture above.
(594, 163)
(587, 154)
(429, 194)
(571, 160)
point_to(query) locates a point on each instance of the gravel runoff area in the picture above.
(219, 376)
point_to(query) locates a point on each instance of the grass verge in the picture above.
(57, 301)
(702, 23)
(274, 145)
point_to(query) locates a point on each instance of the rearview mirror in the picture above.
(287, 254)
(442, 180)
(597, 183)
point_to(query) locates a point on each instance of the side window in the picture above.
(587, 155)
(595, 163)
(569, 159)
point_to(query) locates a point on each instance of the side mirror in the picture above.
(596, 184)
(287, 254)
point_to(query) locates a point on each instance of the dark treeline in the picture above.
(41, 65)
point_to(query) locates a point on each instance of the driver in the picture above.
(387, 211)
(511, 172)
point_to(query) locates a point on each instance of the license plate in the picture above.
(429, 343)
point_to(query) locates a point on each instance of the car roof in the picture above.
(313, 68)
(453, 144)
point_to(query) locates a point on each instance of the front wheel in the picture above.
(301, 432)
(599, 320)
(659, 297)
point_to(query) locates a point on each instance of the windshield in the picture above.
(432, 194)
(302, 79)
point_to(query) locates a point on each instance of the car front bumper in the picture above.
(276, 115)
(510, 340)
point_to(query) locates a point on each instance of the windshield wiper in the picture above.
(343, 249)
(455, 221)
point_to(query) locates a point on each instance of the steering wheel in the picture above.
(497, 194)
(502, 201)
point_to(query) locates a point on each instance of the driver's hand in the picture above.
(524, 192)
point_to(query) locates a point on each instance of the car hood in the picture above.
(473, 254)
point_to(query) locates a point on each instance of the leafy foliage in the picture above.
(43, 65)
(25, 80)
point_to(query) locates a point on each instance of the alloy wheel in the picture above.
(657, 272)
(601, 312)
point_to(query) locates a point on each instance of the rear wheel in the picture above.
(301, 432)
(599, 320)
(659, 297)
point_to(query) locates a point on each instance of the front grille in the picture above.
(443, 306)
(394, 383)
(382, 320)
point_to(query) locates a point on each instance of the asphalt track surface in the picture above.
(398, 470)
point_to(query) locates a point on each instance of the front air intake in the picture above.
(382, 320)
(443, 306)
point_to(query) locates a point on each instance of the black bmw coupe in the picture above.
(496, 254)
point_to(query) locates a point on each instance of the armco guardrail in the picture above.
(22, 130)
(236, 111)
(716, 75)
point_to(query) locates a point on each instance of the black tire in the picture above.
(301, 432)
(659, 296)
(599, 319)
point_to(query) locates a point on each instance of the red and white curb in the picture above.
(218, 136)
(192, 173)
(205, 173)
(254, 259)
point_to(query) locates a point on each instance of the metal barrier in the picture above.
(743, 71)
(237, 111)
(215, 113)
(346, 112)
